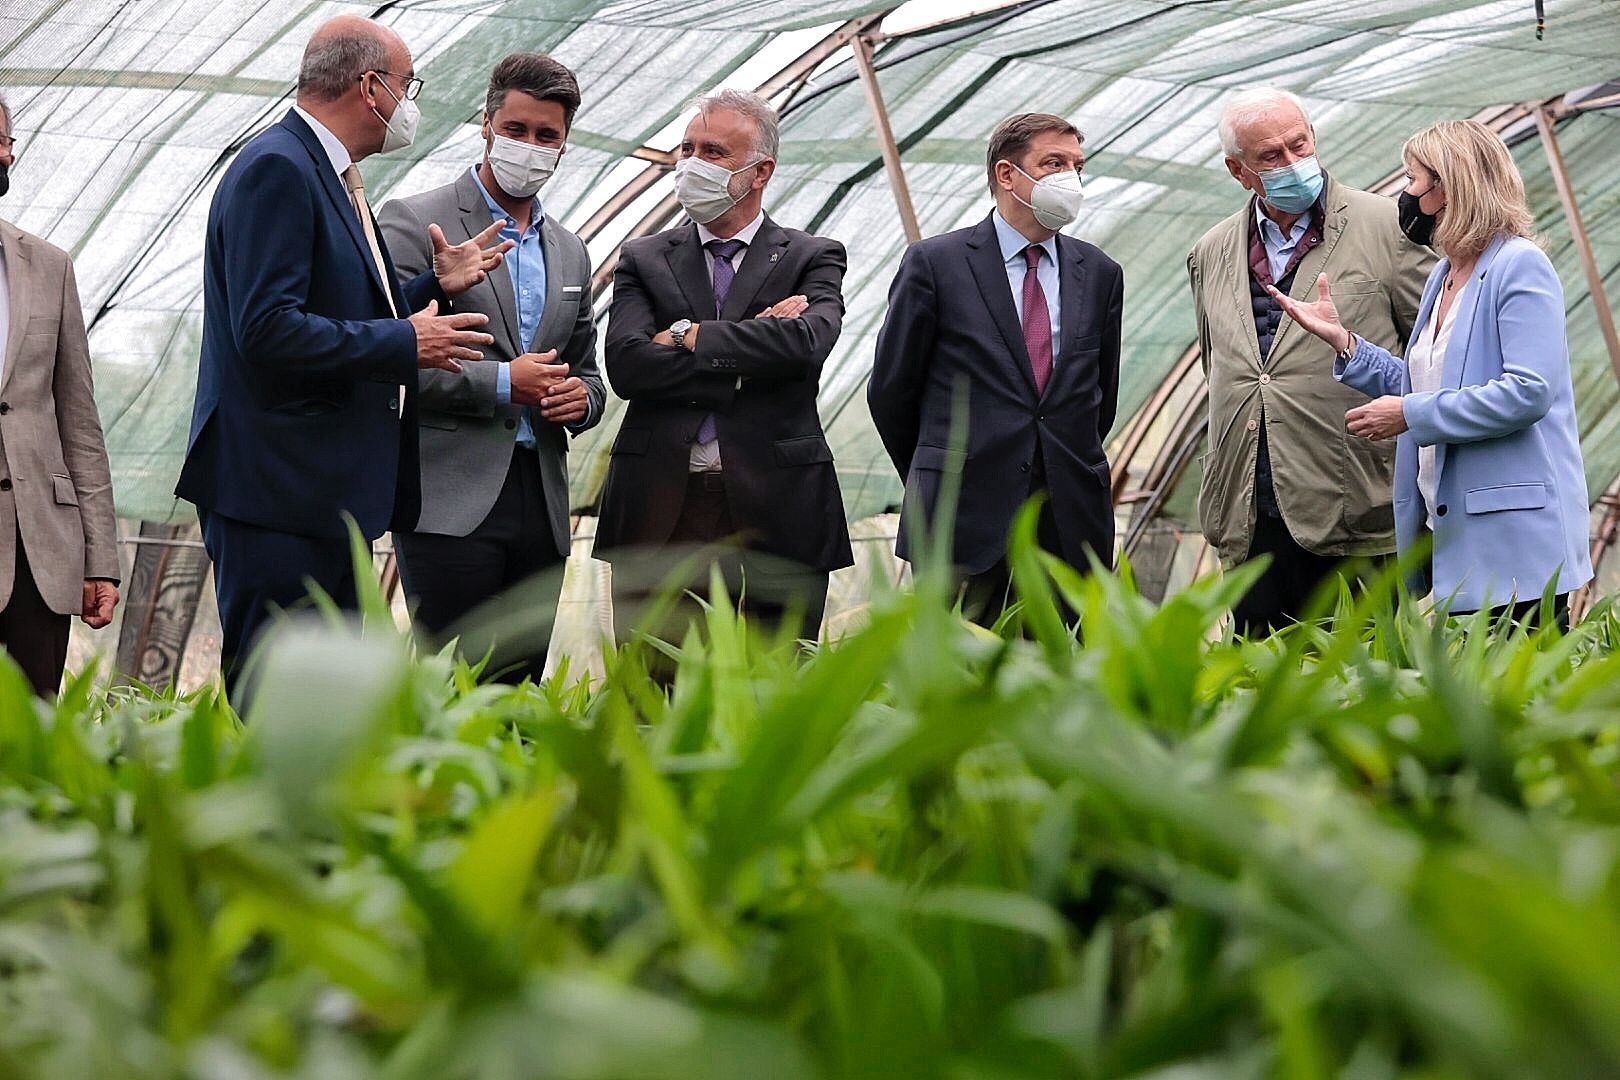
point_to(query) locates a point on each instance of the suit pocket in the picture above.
(632, 441)
(937, 458)
(1089, 343)
(66, 494)
(1487, 500)
(438, 420)
(41, 326)
(804, 450)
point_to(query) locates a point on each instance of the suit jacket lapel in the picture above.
(554, 286)
(19, 283)
(686, 260)
(475, 218)
(334, 191)
(1462, 327)
(763, 256)
(990, 273)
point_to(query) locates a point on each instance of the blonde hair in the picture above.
(1484, 191)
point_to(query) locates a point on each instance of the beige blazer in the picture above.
(1334, 489)
(55, 487)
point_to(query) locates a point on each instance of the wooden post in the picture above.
(862, 47)
(1583, 242)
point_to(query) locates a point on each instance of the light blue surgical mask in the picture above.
(1293, 189)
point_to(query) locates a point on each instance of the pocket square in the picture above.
(572, 289)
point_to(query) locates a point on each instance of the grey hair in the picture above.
(1249, 105)
(5, 109)
(767, 135)
(334, 62)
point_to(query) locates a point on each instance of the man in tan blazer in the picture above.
(58, 535)
(1282, 477)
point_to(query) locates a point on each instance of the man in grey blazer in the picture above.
(494, 438)
(58, 535)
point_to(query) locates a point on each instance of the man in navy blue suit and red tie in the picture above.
(306, 390)
(1027, 322)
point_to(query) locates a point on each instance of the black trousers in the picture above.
(260, 572)
(34, 635)
(446, 577)
(987, 594)
(771, 590)
(1283, 591)
(1527, 613)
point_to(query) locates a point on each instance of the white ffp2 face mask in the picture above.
(399, 131)
(521, 169)
(704, 188)
(1055, 199)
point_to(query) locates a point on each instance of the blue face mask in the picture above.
(1293, 189)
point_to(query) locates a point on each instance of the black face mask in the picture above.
(1418, 226)
(5, 179)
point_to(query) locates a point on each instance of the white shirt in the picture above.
(1279, 248)
(1013, 245)
(1425, 364)
(335, 150)
(705, 456)
(5, 312)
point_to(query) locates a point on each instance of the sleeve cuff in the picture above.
(503, 383)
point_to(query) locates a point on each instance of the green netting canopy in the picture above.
(127, 114)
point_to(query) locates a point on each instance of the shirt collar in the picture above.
(1013, 243)
(1268, 227)
(336, 152)
(536, 216)
(745, 234)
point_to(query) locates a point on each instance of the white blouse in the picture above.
(1426, 362)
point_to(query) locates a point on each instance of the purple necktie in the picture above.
(724, 274)
(1037, 321)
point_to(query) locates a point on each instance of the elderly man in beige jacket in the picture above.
(1282, 476)
(58, 535)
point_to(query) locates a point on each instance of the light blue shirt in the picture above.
(1013, 244)
(526, 265)
(1280, 248)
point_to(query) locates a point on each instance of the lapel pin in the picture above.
(775, 255)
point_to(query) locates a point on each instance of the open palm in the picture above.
(1320, 318)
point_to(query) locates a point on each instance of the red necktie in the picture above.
(1037, 321)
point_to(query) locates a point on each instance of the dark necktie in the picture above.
(724, 274)
(1037, 320)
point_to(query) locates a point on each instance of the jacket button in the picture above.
(5, 485)
(1265, 378)
(1253, 425)
(1440, 511)
(511, 425)
(689, 438)
(393, 404)
(5, 407)
(1024, 467)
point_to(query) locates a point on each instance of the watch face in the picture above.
(681, 326)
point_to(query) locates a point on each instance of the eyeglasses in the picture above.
(413, 85)
(7, 142)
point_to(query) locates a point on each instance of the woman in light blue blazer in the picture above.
(1488, 458)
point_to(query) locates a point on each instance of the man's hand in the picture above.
(441, 340)
(1380, 418)
(533, 374)
(100, 597)
(791, 308)
(566, 401)
(461, 266)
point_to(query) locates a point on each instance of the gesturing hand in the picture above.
(791, 308)
(1320, 318)
(565, 402)
(533, 374)
(100, 597)
(441, 340)
(1380, 418)
(461, 266)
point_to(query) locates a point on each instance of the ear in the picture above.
(1004, 175)
(1235, 167)
(763, 173)
(483, 130)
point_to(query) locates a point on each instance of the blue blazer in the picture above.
(1511, 507)
(297, 412)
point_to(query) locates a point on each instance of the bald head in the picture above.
(341, 51)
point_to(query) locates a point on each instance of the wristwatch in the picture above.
(678, 331)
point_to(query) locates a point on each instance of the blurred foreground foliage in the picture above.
(1369, 847)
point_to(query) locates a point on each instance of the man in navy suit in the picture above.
(1025, 322)
(305, 408)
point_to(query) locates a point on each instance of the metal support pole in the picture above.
(1583, 242)
(862, 47)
